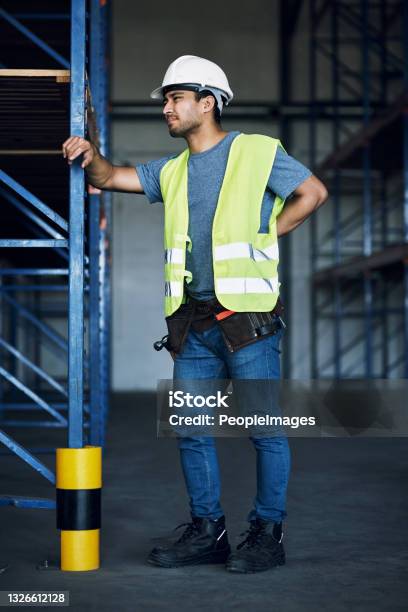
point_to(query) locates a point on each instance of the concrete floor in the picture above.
(346, 534)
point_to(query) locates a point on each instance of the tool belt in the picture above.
(238, 329)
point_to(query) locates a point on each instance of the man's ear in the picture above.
(208, 103)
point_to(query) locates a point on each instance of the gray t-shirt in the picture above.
(205, 175)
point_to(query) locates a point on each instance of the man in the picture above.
(224, 209)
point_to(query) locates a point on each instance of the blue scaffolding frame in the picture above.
(83, 245)
(362, 259)
(100, 222)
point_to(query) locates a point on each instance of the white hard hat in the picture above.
(192, 71)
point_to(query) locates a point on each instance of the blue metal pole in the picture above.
(76, 231)
(16, 243)
(106, 293)
(27, 502)
(336, 198)
(405, 120)
(34, 272)
(100, 221)
(367, 196)
(96, 70)
(94, 324)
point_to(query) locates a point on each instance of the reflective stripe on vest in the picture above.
(245, 262)
(173, 256)
(244, 249)
(173, 288)
(247, 285)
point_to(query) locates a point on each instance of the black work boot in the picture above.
(261, 550)
(203, 541)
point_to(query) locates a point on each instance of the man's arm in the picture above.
(306, 198)
(100, 172)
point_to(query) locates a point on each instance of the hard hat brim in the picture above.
(157, 93)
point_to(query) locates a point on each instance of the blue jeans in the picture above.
(205, 356)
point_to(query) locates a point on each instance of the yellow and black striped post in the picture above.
(79, 482)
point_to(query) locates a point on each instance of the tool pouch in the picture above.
(178, 325)
(240, 329)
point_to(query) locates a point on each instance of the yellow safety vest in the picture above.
(245, 262)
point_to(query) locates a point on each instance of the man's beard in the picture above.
(182, 129)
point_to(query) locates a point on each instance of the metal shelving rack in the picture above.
(67, 277)
(359, 243)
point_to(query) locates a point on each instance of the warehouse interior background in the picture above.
(330, 80)
(313, 90)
